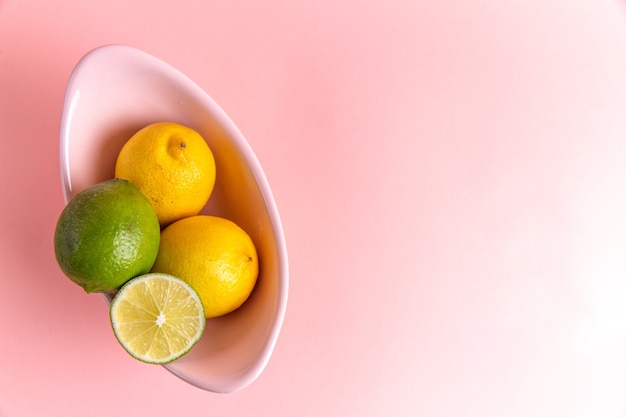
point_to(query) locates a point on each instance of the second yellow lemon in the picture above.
(172, 166)
(214, 256)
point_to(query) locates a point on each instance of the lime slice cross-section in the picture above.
(157, 318)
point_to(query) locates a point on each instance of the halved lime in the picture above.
(157, 317)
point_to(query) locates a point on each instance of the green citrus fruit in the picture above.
(157, 318)
(106, 235)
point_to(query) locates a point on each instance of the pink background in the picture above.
(451, 176)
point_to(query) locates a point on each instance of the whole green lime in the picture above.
(106, 235)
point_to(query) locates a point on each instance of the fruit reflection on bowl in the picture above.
(114, 91)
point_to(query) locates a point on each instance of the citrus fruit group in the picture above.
(173, 167)
(213, 255)
(157, 318)
(106, 235)
(141, 235)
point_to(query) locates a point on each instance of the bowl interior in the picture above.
(116, 90)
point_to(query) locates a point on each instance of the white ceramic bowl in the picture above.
(113, 92)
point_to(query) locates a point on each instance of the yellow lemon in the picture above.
(172, 165)
(214, 256)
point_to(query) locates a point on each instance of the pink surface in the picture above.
(450, 176)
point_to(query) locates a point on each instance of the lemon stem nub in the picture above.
(183, 145)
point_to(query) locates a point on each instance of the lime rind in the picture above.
(157, 318)
(107, 234)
